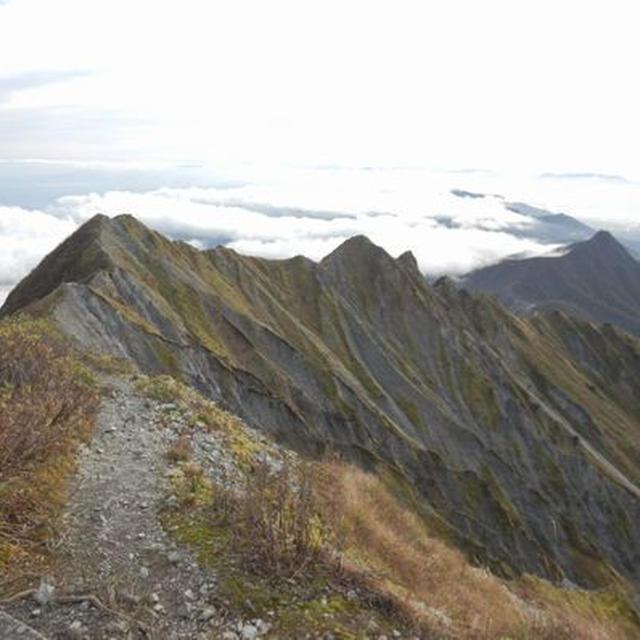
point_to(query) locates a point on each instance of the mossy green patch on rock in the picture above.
(479, 395)
(197, 529)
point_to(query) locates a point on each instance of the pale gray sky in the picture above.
(542, 86)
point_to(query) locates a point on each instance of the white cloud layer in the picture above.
(25, 237)
(318, 211)
(310, 215)
(311, 212)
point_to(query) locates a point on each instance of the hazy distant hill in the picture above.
(596, 279)
(544, 226)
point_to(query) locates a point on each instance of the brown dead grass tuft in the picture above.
(435, 583)
(285, 533)
(47, 403)
(275, 522)
(181, 449)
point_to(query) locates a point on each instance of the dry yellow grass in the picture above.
(441, 590)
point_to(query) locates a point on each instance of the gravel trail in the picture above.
(119, 574)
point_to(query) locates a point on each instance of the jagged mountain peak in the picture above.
(77, 258)
(97, 221)
(445, 283)
(101, 223)
(356, 248)
(408, 261)
(605, 245)
(603, 237)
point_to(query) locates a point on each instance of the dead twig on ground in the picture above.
(78, 598)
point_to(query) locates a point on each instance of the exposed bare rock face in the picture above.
(519, 438)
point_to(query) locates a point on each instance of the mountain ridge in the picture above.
(489, 421)
(596, 279)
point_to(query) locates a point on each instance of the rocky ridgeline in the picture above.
(519, 433)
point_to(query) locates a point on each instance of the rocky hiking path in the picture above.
(119, 574)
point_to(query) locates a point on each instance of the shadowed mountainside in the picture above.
(596, 279)
(519, 439)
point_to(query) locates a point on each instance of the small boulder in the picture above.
(44, 593)
(249, 632)
(262, 626)
(75, 631)
(207, 614)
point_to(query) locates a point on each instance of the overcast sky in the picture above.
(546, 85)
(129, 97)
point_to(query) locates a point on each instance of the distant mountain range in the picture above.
(548, 227)
(606, 177)
(516, 437)
(544, 226)
(596, 279)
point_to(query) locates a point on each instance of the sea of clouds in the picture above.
(311, 212)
